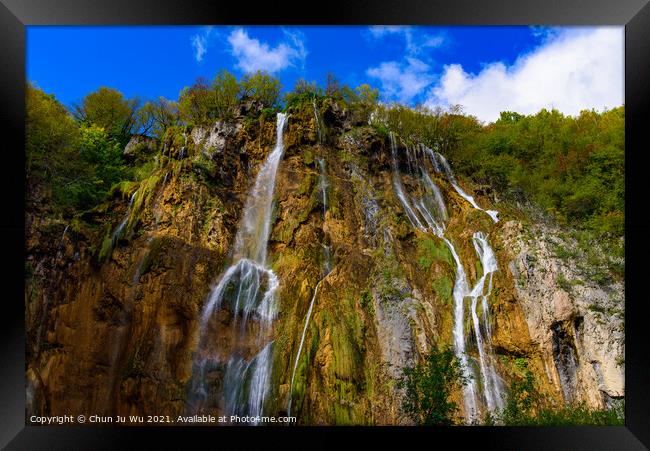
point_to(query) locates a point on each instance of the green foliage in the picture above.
(303, 92)
(78, 163)
(527, 407)
(103, 157)
(367, 95)
(107, 108)
(261, 87)
(155, 117)
(563, 283)
(203, 103)
(226, 94)
(196, 103)
(523, 398)
(428, 386)
(573, 167)
(51, 138)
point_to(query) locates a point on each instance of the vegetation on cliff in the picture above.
(169, 179)
(428, 388)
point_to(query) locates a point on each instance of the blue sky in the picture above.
(485, 69)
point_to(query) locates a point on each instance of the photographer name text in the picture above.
(157, 419)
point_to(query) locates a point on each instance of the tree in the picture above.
(75, 164)
(367, 95)
(102, 157)
(302, 86)
(428, 386)
(51, 135)
(332, 86)
(226, 93)
(154, 117)
(262, 87)
(196, 103)
(107, 108)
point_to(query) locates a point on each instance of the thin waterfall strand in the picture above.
(327, 264)
(433, 215)
(254, 286)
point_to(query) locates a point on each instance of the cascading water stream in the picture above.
(461, 290)
(249, 287)
(117, 234)
(317, 121)
(324, 184)
(327, 264)
(399, 187)
(433, 212)
(302, 342)
(442, 164)
(491, 383)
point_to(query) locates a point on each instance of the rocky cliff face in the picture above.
(114, 299)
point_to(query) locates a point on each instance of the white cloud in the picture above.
(416, 41)
(200, 43)
(380, 30)
(402, 81)
(572, 70)
(253, 55)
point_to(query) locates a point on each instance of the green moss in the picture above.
(306, 186)
(143, 197)
(386, 271)
(142, 172)
(307, 156)
(382, 130)
(443, 287)
(212, 208)
(204, 167)
(479, 268)
(124, 188)
(367, 302)
(430, 250)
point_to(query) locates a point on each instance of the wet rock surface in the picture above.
(119, 334)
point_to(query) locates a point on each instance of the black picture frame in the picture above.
(16, 14)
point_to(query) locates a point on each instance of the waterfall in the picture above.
(317, 120)
(60, 246)
(324, 184)
(491, 383)
(461, 289)
(450, 176)
(117, 234)
(248, 286)
(433, 214)
(399, 187)
(368, 203)
(327, 262)
(302, 341)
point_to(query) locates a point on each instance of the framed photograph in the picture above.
(397, 218)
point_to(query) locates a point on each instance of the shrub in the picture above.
(428, 387)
